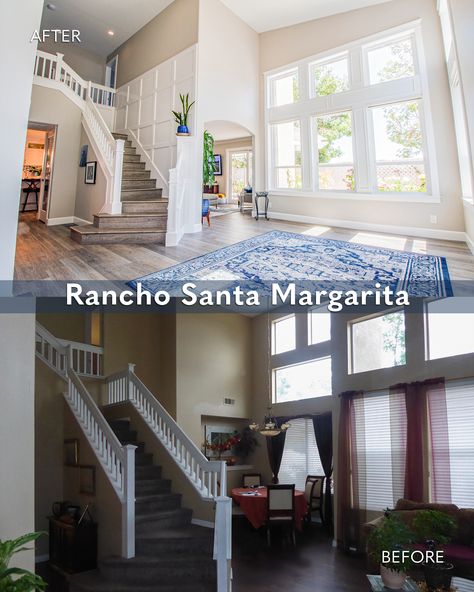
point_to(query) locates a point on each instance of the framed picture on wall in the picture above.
(87, 479)
(218, 164)
(83, 158)
(91, 171)
(71, 452)
(215, 437)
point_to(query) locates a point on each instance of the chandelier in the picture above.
(269, 427)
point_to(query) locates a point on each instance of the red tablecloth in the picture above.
(255, 506)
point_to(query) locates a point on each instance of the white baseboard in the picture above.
(41, 558)
(205, 523)
(470, 243)
(66, 220)
(452, 235)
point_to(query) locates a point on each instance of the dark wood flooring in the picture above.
(313, 566)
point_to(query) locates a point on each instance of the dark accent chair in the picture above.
(281, 509)
(251, 479)
(314, 494)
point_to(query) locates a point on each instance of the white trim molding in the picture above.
(417, 231)
(470, 243)
(67, 220)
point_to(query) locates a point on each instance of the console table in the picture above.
(72, 547)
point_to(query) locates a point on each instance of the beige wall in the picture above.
(213, 361)
(228, 68)
(49, 411)
(283, 46)
(171, 31)
(89, 198)
(17, 446)
(221, 148)
(34, 156)
(52, 107)
(462, 12)
(18, 19)
(87, 64)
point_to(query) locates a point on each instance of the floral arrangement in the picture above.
(423, 587)
(222, 445)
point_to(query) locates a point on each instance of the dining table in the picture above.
(253, 503)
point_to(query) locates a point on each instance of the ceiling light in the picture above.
(110, 32)
(51, 6)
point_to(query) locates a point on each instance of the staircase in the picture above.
(171, 553)
(161, 550)
(144, 210)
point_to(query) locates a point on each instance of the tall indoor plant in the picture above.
(15, 579)
(181, 117)
(208, 166)
(392, 535)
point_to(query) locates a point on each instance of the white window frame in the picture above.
(359, 100)
(271, 99)
(465, 150)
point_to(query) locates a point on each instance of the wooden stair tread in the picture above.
(91, 229)
(133, 215)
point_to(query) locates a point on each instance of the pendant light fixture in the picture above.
(269, 427)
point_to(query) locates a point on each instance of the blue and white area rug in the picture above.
(278, 256)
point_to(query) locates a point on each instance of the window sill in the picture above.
(378, 197)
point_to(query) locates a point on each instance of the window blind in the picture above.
(452, 444)
(300, 455)
(379, 448)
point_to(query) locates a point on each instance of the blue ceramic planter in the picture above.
(183, 129)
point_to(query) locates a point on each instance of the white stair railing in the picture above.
(118, 462)
(109, 152)
(209, 478)
(53, 72)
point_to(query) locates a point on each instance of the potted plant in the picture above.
(392, 535)
(15, 579)
(208, 166)
(246, 445)
(435, 528)
(181, 117)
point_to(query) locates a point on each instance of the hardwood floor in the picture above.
(313, 565)
(48, 253)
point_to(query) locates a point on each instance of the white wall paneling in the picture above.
(144, 108)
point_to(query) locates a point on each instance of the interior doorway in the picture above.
(37, 174)
(240, 173)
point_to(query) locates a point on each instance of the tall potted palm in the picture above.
(208, 167)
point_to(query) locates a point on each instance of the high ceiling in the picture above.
(265, 15)
(94, 18)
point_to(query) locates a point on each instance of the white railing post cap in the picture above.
(131, 367)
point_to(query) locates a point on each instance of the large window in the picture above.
(301, 360)
(300, 455)
(449, 331)
(353, 121)
(303, 381)
(287, 146)
(380, 427)
(377, 342)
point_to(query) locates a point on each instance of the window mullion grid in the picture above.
(364, 150)
(306, 153)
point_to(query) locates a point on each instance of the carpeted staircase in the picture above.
(171, 553)
(144, 214)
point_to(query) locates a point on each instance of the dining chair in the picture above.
(281, 509)
(314, 494)
(251, 480)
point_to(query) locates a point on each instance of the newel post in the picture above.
(59, 65)
(223, 543)
(128, 506)
(131, 370)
